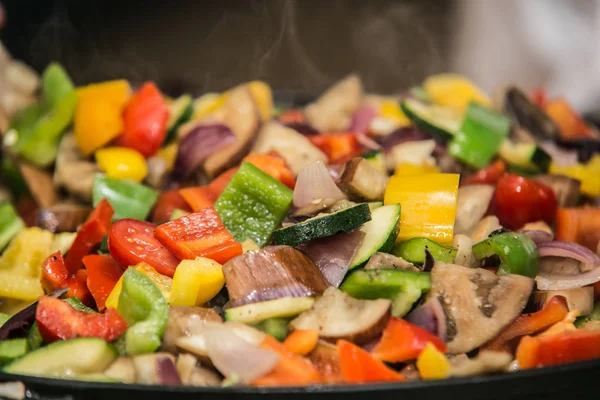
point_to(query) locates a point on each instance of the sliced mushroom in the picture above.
(194, 375)
(73, 172)
(62, 217)
(361, 181)
(485, 362)
(156, 369)
(338, 316)
(122, 369)
(384, 260)
(333, 111)
(478, 303)
(326, 359)
(473, 202)
(484, 227)
(295, 148)
(39, 182)
(566, 189)
(181, 322)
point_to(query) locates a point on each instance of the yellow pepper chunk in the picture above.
(98, 116)
(164, 283)
(122, 163)
(432, 363)
(196, 281)
(26, 253)
(455, 91)
(409, 169)
(588, 174)
(428, 205)
(207, 104)
(249, 245)
(264, 98)
(20, 287)
(169, 153)
(391, 109)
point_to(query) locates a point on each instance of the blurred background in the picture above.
(307, 45)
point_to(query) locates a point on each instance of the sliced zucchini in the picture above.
(345, 220)
(376, 159)
(10, 223)
(525, 156)
(280, 308)
(82, 356)
(12, 349)
(441, 122)
(374, 205)
(180, 111)
(380, 233)
(276, 327)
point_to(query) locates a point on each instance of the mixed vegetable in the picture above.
(230, 240)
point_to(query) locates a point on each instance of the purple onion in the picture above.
(166, 372)
(403, 135)
(538, 236)
(430, 316)
(200, 143)
(590, 265)
(361, 119)
(315, 183)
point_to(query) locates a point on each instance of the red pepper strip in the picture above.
(198, 198)
(358, 366)
(56, 276)
(579, 225)
(562, 348)
(200, 234)
(218, 184)
(528, 324)
(273, 166)
(57, 320)
(89, 235)
(166, 203)
(103, 273)
(487, 176)
(292, 370)
(339, 147)
(292, 116)
(402, 341)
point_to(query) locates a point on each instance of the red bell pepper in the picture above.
(579, 225)
(403, 341)
(166, 203)
(56, 276)
(528, 324)
(540, 97)
(89, 235)
(274, 166)
(218, 184)
(145, 121)
(339, 147)
(358, 366)
(198, 197)
(200, 234)
(292, 116)
(103, 273)
(487, 176)
(57, 320)
(562, 348)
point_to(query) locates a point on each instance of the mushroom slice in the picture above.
(333, 111)
(478, 303)
(338, 316)
(484, 363)
(473, 202)
(181, 323)
(73, 172)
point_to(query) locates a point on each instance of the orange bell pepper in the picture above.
(292, 116)
(339, 147)
(103, 273)
(570, 123)
(218, 184)
(198, 197)
(402, 341)
(166, 203)
(274, 166)
(528, 324)
(358, 366)
(302, 342)
(579, 225)
(292, 370)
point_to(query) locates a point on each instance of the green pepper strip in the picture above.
(518, 253)
(12, 349)
(146, 311)
(479, 137)
(253, 204)
(34, 337)
(129, 199)
(413, 251)
(594, 316)
(78, 305)
(10, 223)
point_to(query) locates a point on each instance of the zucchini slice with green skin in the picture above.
(345, 220)
(525, 156)
(276, 327)
(12, 349)
(82, 356)
(374, 205)
(180, 111)
(280, 308)
(380, 233)
(10, 223)
(441, 122)
(413, 251)
(376, 159)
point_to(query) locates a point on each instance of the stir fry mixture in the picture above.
(231, 240)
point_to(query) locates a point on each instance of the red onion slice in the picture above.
(538, 236)
(234, 356)
(166, 372)
(361, 119)
(315, 183)
(590, 265)
(367, 142)
(430, 316)
(201, 142)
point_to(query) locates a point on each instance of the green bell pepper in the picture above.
(253, 204)
(146, 311)
(594, 316)
(34, 337)
(129, 199)
(56, 84)
(413, 251)
(518, 253)
(78, 305)
(404, 288)
(11, 349)
(480, 136)
(10, 223)
(276, 327)
(11, 176)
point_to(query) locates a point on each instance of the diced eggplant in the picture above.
(40, 185)
(194, 375)
(473, 202)
(62, 217)
(73, 172)
(362, 181)
(384, 260)
(181, 324)
(122, 369)
(578, 299)
(566, 189)
(156, 369)
(326, 359)
(528, 115)
(338, 316)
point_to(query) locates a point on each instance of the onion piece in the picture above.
(314, 183)
(234, 356)
(200, 143)
(367, 142)
(538, 236)
(560, 156)
(590, 266)
(430, 316)
(333, 254)
(361, 119)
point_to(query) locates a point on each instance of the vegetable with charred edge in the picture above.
(413, 251)
(278, 308)
(253, 204)
(518, 253)
(128, 199)
(528, 115)
(362, 181)
(10, 223)
(196, 281)
(358, 366)
(103, 274)
(145, 309)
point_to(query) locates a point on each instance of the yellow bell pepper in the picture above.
(432, 363)
(169, 153)
(428, 205)
(164, 283)
(455, 91)
(588, 174)
(264, 98)
(207, 104)
(122, 163)
(390, 109)
(249, 245)
(98, 116)
(408, 169)
(196, 281)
